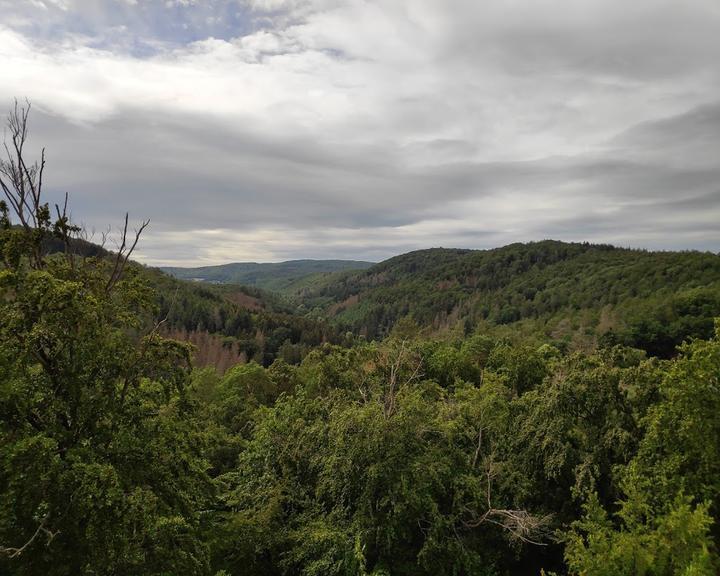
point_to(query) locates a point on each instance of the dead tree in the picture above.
(519, 524)
(21, 182)
(398, 362)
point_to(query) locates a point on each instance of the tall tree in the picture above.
(101, 468)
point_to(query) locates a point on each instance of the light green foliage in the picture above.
(576, 426)
(671, 486)
(681, 449)
(675, 543)
(376, 476)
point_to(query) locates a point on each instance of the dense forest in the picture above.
(545, 408)
(575, 296)
(231, 324)
(650, 300)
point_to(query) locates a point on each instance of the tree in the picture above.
(669, 508)
(674, 542)
(101, 468)
(384, 473)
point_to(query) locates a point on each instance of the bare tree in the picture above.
(125, 250)
(21, 182)
(403, 369)
(520, 524)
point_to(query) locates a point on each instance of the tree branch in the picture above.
(15, 552)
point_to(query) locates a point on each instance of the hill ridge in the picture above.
(561, 288)
(276, 276)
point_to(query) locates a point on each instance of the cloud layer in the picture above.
(270, 129)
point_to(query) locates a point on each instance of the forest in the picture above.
(545, 408)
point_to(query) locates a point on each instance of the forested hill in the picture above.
(277, 276)
(564, 289)
(228, 324)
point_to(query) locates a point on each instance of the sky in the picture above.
(268, 130)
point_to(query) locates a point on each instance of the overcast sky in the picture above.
(269, 130)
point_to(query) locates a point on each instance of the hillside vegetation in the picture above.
(580, 292)
(228, 324)
(287, 276)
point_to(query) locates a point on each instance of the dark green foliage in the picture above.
(89, 396)
(660, 327)
(634, 292)
(102, 466)
(259, 324)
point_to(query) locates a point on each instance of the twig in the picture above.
(15, 552)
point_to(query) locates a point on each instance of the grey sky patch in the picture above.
(280, 129)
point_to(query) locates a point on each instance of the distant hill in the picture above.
(580, 292)
(287, 276)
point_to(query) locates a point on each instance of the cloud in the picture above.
(363, 129)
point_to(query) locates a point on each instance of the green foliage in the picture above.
(87, 401)
(660, 327)
(671, 485)
(674, 543)
(344, 484)
(102, 468)
(681, 448)
(648, 300)
(258, 324)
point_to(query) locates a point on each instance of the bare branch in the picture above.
(520, 524)
(41, 529)
(119, 255)
(123, 254)
(63, 228)
(477, 449)
(22, 183)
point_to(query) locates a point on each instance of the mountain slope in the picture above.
(230, 323)
(280, 276)
(561, 289)
(227, 324)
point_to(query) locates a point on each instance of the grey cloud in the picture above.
(699, 124)
(473, 125)
(190, 172)
(639, 41)
(197, 173)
